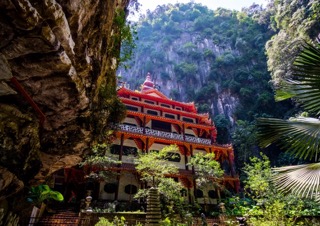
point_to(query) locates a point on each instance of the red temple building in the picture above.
(154, 121)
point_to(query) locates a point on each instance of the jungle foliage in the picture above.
(263, 204)
(295, 22)
(217, 53)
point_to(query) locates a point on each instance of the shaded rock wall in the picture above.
(223, 101)
(55, 58)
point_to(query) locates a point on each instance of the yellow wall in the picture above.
(189, 131)
(125, 179)
(130, 120)
(105, 195)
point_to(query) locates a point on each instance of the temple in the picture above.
(154, 121)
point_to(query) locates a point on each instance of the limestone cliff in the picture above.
(212, 57)
(57, 82)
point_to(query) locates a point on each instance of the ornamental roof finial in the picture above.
(148, 83)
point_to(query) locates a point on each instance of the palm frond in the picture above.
(283, 94)
(299, 136)
(305, 83)
(301, 180)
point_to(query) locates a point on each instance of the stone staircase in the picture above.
(61, 216)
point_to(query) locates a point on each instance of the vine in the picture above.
(126, 37)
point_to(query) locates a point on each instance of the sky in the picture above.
(211, 4)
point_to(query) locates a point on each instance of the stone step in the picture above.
(153, 217)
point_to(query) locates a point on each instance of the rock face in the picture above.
(9, 183)
(222, 101)
(57, 72)
(213, 58)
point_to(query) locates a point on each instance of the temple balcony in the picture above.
(198, 140)
(168, 135)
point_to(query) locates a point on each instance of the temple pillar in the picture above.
(117, 190)
(186, 160)
(193, 173)
(118, 171)
(189, 196)
(213, 139)
(147, 145)
(121, 147)
(144, 125)
(183, 132)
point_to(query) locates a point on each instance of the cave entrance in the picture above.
(70, 182)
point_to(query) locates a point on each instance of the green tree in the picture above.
(270, 208)
(155, 169)
(207, 169)
(127, 37)
(295, 21)
(98, 161)
(222, 125)
(176, 15)
(186, 70)
(259, 176)
(244, 139)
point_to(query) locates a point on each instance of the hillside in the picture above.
(214, 58)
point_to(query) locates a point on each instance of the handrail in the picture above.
(163, 134)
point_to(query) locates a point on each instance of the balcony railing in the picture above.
(198, 140)
(133, 129)
(157, 133)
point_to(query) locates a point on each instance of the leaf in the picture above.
(305, 84)
(301, 180)
(299, 135)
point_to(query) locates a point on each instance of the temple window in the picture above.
(134, 98)
(165, 105)
(132, 108)
(151, 112)
(162, 126)
(183, 192)
(149, 102)
(129, 124)
(110, 187)
(199, 193)
(187, 119)
(173, 157)
(169, 116)
(212, 194)
(130, 189)
(115, 149)
(178, 108)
